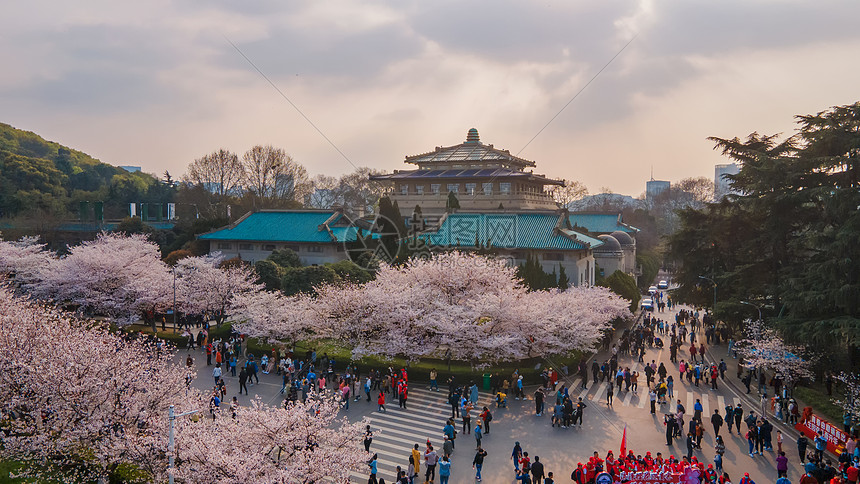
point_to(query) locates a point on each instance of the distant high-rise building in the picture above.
(655, 187)
(721, 184)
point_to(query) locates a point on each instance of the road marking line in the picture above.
(597, 395)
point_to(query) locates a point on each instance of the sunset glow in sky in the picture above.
(157, 83)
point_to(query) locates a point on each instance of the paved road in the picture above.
(560, 449)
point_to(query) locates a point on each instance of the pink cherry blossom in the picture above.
(471, 306)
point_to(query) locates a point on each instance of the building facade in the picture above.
(317, 236)
(721, 184)
(482, 177)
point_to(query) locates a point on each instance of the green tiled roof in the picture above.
(600, 223)
(286, 226)
(510, 231)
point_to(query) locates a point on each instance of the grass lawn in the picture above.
(462, 370)
(816, 397)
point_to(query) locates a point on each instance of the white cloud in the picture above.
(157, 84)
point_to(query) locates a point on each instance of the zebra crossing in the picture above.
(397, 430)
(596, 392)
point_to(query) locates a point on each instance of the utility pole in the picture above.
(170, 449)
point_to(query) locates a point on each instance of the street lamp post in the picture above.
(173, 416)
(755, 306)
(715, 291)
(174, 299)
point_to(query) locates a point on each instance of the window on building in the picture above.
(435, 188)
(553, 256)
(269, 247)
(488, 188)
(419, 189)
(454, 187)
(225, 245)
(470, 189)
(246, 246)
(505, 188)
(294, 248)
(315, 248)
(404, 189)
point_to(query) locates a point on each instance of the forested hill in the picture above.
(40, 178)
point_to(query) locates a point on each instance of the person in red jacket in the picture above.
(578, 474)
(381, 401)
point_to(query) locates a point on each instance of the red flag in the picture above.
(623, 443)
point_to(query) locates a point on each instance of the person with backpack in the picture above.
(487, 417)
(746, 479)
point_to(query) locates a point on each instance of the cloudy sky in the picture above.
(158, 83)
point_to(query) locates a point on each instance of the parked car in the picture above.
(652, 290)
(647, 304)
(663, 285)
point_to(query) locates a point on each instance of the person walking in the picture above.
(516, 455)
(752, 437)
(487, 417)
(368, 438)
(609, 394)
(539, 398)
(243, 381)
(739, 416)
(719, 450)
(802, 444)
(781, 465)
(478, 462)
(717, 422)
(691, 444)
(373, 470)
(729, 418)
(450, 432)
(479, 434)
(537, 470)
(380, 401)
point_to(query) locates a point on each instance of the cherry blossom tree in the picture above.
(764, 348)
(473, 305)
(205, 287)
(77, 399)
(850, 401)
(115, 275)
(300, 443)
(24, 259)
(82, 402)
(275, 317)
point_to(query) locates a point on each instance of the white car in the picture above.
(647, 304)
(652, 290)
(662, 285)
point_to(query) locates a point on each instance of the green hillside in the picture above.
(40, 178)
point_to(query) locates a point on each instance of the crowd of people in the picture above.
(686, 335)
